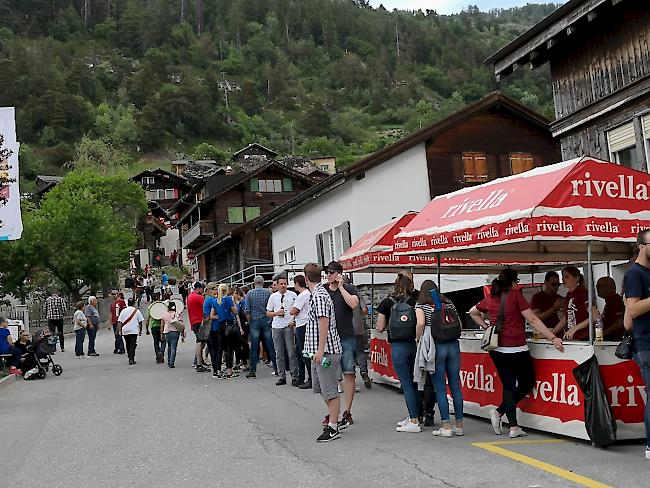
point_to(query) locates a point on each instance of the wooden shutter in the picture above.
(255, 184)
(645, 123)
(520, 162)
(252, 213)
(621, 138)
(346, 236)
(287, 184)
(235, 215)
(474, 166)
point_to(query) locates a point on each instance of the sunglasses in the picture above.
(332, 272)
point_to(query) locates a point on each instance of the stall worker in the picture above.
(575, 321)
(612, 315)
(547, 303)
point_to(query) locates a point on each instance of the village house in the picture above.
(600, 67)
(254, 149)
(45, 183)
(493, 137)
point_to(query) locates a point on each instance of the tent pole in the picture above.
(438, 267)
(590, 288)
(372, 298)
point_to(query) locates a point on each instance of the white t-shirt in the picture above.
(302, 304)
(130, 327)
(79, 320)
(278, 301)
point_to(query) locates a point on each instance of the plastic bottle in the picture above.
(599, 330)
(325, 363)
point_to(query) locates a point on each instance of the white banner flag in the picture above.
(11, 224)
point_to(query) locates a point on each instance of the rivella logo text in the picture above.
(494, 199)
(624, 187)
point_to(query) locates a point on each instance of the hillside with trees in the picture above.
(101, 84)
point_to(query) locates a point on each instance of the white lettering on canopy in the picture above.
(494, 199)
(626, 187)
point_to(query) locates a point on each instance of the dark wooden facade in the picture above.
(254, 149)
(497, 132)
(599, 56)
(163, 187)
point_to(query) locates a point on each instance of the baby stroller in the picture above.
(39, 357)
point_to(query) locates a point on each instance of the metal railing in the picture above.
(246, 276)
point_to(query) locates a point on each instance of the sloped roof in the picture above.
(495, 99)
(49, 178)
(255, 144)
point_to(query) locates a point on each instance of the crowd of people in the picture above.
(315, 336)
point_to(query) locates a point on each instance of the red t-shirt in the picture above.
(576, 311)
(116, 307)
(542, 301)
(513, 328)
(612, 312)
(195, 308)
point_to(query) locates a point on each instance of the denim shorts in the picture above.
(349, 355)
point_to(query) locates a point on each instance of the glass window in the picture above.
(148, 180)
(474, 166)
(288, 255)
(622, 147)
(520, 162)
(235, 215)
(169, 194)
(270, 186)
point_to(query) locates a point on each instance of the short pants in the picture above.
(349, 356)
(195, 329)
(325, 380)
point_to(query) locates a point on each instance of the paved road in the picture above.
(105, 424)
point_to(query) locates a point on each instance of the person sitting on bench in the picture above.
(7, 347)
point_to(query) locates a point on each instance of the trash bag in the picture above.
(599, 419)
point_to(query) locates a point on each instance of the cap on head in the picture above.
(335, 266)
(198, 285)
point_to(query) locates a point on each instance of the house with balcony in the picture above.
(600, 70)
(216, 216)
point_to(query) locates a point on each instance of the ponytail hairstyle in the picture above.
(575, 272)
(504, 283)
(222, 290)
(425, 292)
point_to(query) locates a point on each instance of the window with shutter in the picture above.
(252, 213)
(235, 215)
(474, 166)
(520, 162)
(621, 142)
(255, 184)
(645, 126)
(287, 184)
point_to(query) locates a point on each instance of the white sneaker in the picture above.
(495, 418)
(442, 432)
(457, 430)
(410, 427)
(402, 423)
(79, 357)
(647, 453)
(516, 432)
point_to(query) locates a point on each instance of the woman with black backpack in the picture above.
(439, 313)
(508, 310)
(396, 313)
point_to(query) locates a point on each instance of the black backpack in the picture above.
(445, 323)
(402, 321)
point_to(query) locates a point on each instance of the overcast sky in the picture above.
(452, 6)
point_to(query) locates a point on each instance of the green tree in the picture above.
(100, 155)
(208, 151)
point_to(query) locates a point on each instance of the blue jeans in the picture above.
(642, 358)
(448, 368)
(349, 355)
(261, 329)
(92, 333)
(303, 362)
(79, 342)
(403, 354)
(172, 344)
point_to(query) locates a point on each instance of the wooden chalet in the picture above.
(45, 183)
(599, 56)
(254, 149)
(214, 224)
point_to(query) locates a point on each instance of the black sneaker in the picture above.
(94, 354)
(366, 380)
(345, 421)
(250, 374)
(428, 420)
(202, 369)
(305, 386)
(328, 434)
(295, 382)
(281, 381)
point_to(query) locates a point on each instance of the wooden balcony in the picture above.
(199, 234)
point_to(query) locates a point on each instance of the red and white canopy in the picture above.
(544, 215)
(374, 252)
(374, 249)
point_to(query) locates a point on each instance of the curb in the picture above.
(7, 380)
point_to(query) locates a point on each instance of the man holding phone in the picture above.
(278, 308)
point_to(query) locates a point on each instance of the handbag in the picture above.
(445, 323)
(232, 328)
(178, 325)
(203, 334)
(490, 339)
(625, 350)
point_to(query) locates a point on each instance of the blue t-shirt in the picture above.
(165, 279)
(636, 284)
(4, 343)
(222, 310)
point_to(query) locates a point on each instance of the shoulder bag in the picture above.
(625, 350)
(203, 334)
(490, 339)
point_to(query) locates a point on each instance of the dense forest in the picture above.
(110, 82)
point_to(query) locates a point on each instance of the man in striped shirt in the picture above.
(54, 313)
(322, 340)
